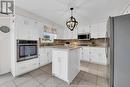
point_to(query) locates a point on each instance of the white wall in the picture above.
(5, 55)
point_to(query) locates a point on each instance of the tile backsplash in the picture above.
(93, 42)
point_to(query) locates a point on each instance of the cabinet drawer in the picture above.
(26, 66)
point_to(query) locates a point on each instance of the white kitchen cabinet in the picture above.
(45, 56)
(26, 66)
(85, 54)
(59, 67)
(60, 33)
(68, 34)
(20, 29)
(102, 59)
(94, 31)
(81, 53)
(65, 63)
(27, 29)
(83, 30)
(98, 30)
(101, 30)
(94, 55)
(49, 55)
(42, 57)
(98, 55)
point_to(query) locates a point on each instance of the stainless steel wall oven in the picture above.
(26, 49)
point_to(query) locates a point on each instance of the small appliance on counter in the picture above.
(27, 49)
(84, 36)
(67, 44)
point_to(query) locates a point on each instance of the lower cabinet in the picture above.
(94, 55)
(86, 53)
(45, 56)
(65, 63)
(26, 66)
(59, 67)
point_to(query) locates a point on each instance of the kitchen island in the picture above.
(66, 63)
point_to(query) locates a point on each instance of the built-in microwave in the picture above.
(84, 36)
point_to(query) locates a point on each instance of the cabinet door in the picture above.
(102, 56)
(83, 30)
(20, 28)
(97, 55)
(56, 63)
(81, 54)
(94, 31)
(86, 54)
(102, 30)
(63, 65)
(33, 30)
(27, 28)
(49, 55)
(93, 54)
(43, 56)
(68, 34)
(59, 66)
(65, 34)
(73, 34)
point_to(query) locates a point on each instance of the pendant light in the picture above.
(71, 23)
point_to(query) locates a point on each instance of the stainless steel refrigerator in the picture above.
(118, 50)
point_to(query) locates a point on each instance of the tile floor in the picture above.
(90, 77)
(96, 69)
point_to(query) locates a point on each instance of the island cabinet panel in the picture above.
(65, 63)
(59, 63)
(74, 63)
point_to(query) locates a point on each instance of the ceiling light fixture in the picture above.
(71, 23)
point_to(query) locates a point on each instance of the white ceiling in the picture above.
(85, 11)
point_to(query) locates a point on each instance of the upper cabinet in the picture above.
(102, 30)
(60, 33)
(94, 31)
(27, 28)
(82, 30)
(68, 34)
(98, 30)
(31, 29)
